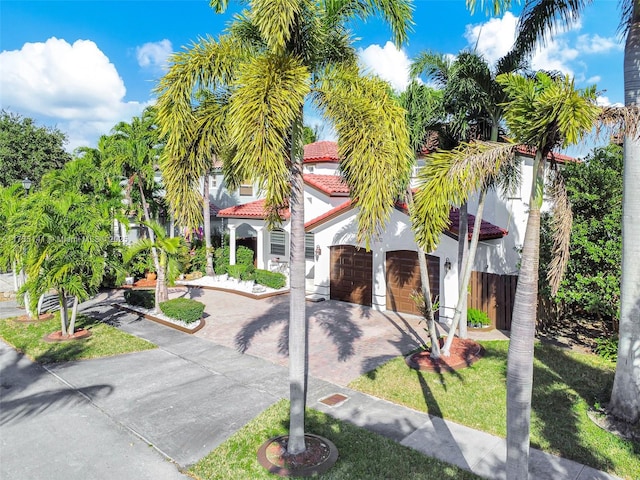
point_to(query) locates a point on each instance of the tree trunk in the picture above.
(625, 396)
(298, 336)
(426, 290)
(207, 225)
(74, 314)
(152, 236)
(463, 256)
(162, 292)
(63, 312)
(466, 275)
(520, 356)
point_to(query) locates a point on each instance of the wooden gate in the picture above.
(495, 295)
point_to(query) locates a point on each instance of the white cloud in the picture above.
(603, 101)
(594, 79)
(597, 44)
(388, 63)
(556, 55)
(154, 54)
(494, 38)
(74, 85)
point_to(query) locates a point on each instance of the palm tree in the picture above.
(543, 113)
(275, 56)
(10, 199)
(170, 250)
(535, 25)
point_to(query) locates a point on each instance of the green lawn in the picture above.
(565, 385)
(362, 454)
(104, 341)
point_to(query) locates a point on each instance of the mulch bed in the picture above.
(319, 456)
(57, 336)
(43, 317)
(464, 352)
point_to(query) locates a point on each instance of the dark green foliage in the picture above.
(591, 286)
(607, 347)
(197, 257)
(221, 260)
(270, 279)
(140, 264)
(477, 317)
(249, 273)
(140, 298)
(244, 256)
(184, 309)
(236, 271)
(27, 150)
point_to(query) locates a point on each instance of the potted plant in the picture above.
(477, 318)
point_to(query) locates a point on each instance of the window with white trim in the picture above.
(277, 241)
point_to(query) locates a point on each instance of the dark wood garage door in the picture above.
(403, 278)
(351, 274)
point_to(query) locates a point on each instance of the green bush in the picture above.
(184, 309)
(197, 258)
(221, 259)
(140, 298)
(270, 279)
(236, 271)
(249, 273)
(477, 317)
(244, 255)
(607, 347)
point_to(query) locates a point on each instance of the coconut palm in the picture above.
(543, 113)
(535, 25)
(274, 57)
(169, 250)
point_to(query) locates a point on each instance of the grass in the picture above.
(104, 341)
(362, 454)
(566, 384)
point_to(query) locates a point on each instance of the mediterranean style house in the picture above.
(385, 276)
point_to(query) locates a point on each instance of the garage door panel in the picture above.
(351, 275)
(403, 278)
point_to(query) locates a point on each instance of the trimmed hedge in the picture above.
(183, 309)
(270, 279)
(140, 298)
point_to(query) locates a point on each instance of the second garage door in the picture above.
(403, 278)
(351, 274)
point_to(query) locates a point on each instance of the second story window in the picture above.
(246, 188)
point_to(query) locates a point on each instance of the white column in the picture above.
(260, 246)
(232, 244)
(172, 227)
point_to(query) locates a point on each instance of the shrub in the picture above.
(607, 347)
(183, 309)
(236, 271)
(221, 258)
(198, 258)
(270, 279)
(249, 273)
(140, 298)
(477, 317)
(244, 255)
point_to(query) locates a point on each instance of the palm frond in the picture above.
(619, 121)
(494, 7)
(275, 20)
(561, 222)
(433, 65)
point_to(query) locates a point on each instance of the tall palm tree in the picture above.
(275, 56)
(534, 27)
(543, 113)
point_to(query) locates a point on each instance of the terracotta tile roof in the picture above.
(324, 151)
(488, 230)
(332, 185)
(558, 157)
(250, 210)
(331, 214)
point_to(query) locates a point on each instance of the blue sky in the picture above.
(84, 65)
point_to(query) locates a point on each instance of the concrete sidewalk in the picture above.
(95, 418)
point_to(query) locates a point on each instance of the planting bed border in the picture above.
(255, 296)
(160, 321)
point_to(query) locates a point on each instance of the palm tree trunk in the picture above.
(206, 211)
(74, 314)
(520, 356)
(463, 257)
(63, 312)
(162, 293)
(297, 316)
(426, 290)
(147, 217)
(466, 274)
(625, 396)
